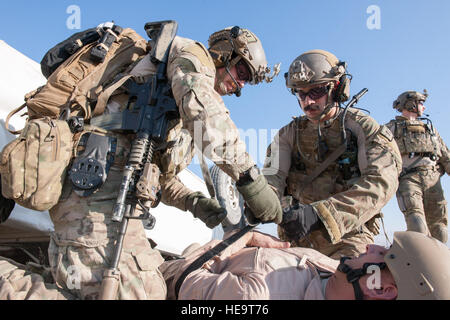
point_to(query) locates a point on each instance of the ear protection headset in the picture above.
(342, 91)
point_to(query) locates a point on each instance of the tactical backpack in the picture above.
(34, 165)
(78, 81)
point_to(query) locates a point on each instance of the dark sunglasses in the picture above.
(242, 71)
(314, 94)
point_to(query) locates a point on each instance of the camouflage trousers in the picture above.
(421, 199)
(17, 282)
(351, 245)
(82, 246)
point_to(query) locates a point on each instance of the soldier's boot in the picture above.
(416, 222)
(439, 231)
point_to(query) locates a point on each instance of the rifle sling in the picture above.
(336, 154)
(200, 261)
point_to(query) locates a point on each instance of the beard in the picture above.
(219, 86)
(222, 89)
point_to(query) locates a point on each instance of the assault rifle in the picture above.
(150, 108)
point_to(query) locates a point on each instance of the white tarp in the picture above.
(174, 230)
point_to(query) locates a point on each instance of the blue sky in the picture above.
(408, 52)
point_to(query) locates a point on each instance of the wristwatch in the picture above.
(248, 176)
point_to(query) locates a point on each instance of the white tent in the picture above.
(174, 230)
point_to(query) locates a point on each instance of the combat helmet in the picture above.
(409, 100)
(420, 266)
(228, 46)
(316, 67)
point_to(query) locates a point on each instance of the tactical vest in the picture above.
(414, 137)
(337, 177)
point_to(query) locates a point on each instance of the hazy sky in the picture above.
(390, 47)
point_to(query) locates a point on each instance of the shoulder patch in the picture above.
(198, 50)
(385, 132)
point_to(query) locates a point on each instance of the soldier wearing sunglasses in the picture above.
(334, 168)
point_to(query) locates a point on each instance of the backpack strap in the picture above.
(103, 98)
(10, 116)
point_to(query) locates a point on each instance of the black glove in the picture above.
(206, 209)
(299, 220)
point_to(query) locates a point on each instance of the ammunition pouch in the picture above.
(90, 169)
(415, 137)
(34, 165)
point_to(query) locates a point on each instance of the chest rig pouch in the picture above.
(415, 137)
(90, 169)
(348, 161)
(344, 163)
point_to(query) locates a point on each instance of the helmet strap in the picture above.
(353, 275)
(228, 65)
(414, 108)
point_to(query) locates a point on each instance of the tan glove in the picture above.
(262, 201)
(206, 209)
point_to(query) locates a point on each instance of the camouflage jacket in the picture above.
(204, 120)
(343, 202)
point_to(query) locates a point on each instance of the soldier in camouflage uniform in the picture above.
(425, 158)
(20, 282)
(337, 165)
(84, 236)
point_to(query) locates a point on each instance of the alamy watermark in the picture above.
(374, 20)
(374, 280)
(224, 146)
(74, 19)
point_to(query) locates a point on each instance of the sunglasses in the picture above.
(314, 94)
(242, 71)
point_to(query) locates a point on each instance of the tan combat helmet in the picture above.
(232, 44)
(409, 100)
(319, 66)
(420, 266)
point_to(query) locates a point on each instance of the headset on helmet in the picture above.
(319, 66)
(232, 44)
(409, 100)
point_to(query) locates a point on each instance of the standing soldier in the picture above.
(425, 158)
(84, 239)
(338, 165)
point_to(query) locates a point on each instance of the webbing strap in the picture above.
(200, 261)
(9, 118)
(336, 154)
(106, 94)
